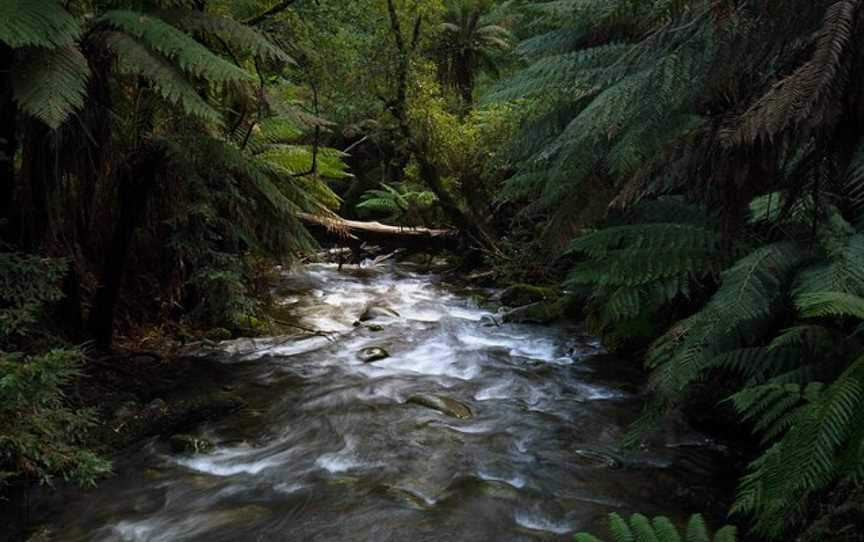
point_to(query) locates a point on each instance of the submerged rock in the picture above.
(190, 444)
(444, 405)
(372, 354)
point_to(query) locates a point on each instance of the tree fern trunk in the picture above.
(8, 144)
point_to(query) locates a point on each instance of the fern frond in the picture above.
(745, 302)
(297, 159)
(180, 48)
(37, 23)
(806, 94)
(50, 84)
(821, 304)
(245, 38)
(135, 58)
(808, 457)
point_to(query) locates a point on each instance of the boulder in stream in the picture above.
(372, 354)
(444, 405)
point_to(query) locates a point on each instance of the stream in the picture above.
(334, 449)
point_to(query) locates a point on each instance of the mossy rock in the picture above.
(190, 444)
(520, 295)
(536, 313)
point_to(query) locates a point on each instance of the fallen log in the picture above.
(353, 233)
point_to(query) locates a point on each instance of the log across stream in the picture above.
(464, 431)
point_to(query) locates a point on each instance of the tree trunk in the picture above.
(135, 183)
(38, 173)
(8, 144)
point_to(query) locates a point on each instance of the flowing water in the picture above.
(334, 451)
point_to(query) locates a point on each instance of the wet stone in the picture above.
(190, 444)
(372, 354)
(444, 405)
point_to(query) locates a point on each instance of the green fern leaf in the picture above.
(135, 58)
(37, 23)
(50, 84)
(174, 44)
(697, 531)
(234, 33)
(821, 304)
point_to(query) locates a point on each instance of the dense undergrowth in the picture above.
(691, 172)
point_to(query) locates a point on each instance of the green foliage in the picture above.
(38, 432)
(640, 529)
